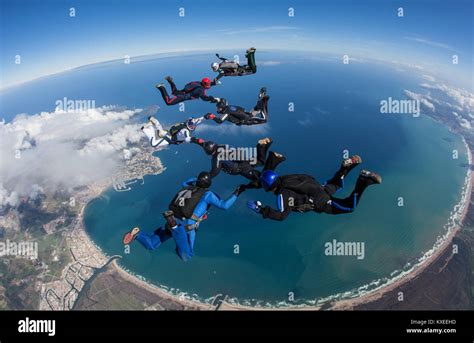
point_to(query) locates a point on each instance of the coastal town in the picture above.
(86, 258)
(67, 259)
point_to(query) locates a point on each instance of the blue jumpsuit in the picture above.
(183, 238)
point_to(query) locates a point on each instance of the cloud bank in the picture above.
(447, 100)
(63, 149)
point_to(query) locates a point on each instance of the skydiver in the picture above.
(232, 68)
(237, 115)
(303, 193)
(244, 167)
(186, 211)
(192, 90)
(177, 134)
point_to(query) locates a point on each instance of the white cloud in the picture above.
(430, 43)
(52, 150)
(423, 99)
(428, 78)
(319, 110)
(450, 101)
(465, 123)
(463, 98)
(115, 141)
(8, 198)
(305, 122)
(269, 63)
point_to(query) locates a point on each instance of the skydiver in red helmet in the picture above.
(192, 90)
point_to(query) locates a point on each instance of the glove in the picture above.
(240, 190)
(209, 116)
(217, 99)
(255, 206)
(195, 140)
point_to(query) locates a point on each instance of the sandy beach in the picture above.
(446, 244)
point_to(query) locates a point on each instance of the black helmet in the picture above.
(204, 180)
(221, 105)
(210, 147)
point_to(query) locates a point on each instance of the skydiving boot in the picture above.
(273, 160)
(350, 163)
(159, 131)
(365, 179)
(153, 121)
(249, 51)
(160, 85)
(250, 55)
(346, 166)
(370, 177)
(131, 235)
(174, 90)
(265, 141)
(262, 147)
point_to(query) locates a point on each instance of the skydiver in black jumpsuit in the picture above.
(232, 68)
(303, 193)
(237, 114)
(244, 168)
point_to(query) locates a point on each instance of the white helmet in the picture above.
(215, 66)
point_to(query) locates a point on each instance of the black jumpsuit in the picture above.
(231, 68)
(303, 193)
(237, 115)
(245, 168)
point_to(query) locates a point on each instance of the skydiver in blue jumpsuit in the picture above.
(183, 229)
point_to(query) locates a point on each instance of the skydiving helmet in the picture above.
(268, 178)
(206, 82)
(210, 147)
(191, 125)
(204, 180)
(215, 66)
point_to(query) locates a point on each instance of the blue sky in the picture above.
(48, 40)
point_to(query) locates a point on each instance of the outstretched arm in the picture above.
(216, 80)
(213, 199)
(207, 98)
(219, 119)
(268, 212)
(198, 120)
(216, 167)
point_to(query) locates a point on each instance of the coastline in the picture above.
(156, 289)
(342, 304)
(419, 268)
